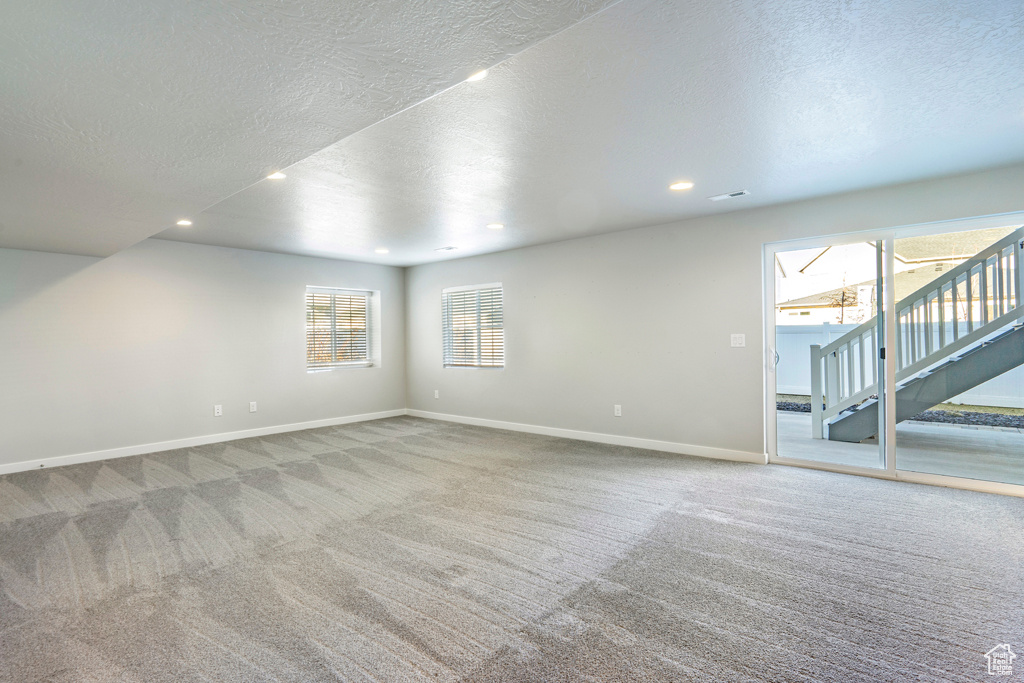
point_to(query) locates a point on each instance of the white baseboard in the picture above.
(142, 449)
(632, 441)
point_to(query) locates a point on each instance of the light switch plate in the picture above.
(739, 341)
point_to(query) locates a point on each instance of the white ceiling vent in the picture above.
(729, 195)
(446, 249)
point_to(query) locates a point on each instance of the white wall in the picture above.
(642, 318)
(137, 348)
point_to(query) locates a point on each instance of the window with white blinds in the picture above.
(337, 328)
(474, 330)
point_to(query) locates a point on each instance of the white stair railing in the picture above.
(952, 312)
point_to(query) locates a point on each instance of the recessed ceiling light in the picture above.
(478, 76)
(681, 185)
(495, 226)
(381, 250)
(184, 222)
(276, 175)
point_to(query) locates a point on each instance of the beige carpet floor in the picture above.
(413, 550)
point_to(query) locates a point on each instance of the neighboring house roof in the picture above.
(814, 258)
(907, 282)
(833, 297)
(954, 246)
(778, 264)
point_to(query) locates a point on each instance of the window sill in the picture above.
(473, 367)
(340, 366)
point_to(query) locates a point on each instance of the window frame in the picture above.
(370, 325)
(448, 357)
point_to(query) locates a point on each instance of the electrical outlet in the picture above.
(739, 341)
(252, 406)
(618, 411)
(437, 394)
(218, 411)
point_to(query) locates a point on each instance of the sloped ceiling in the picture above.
(119, 116)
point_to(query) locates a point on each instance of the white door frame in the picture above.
(888, 439)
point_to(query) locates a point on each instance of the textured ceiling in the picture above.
(118, 116)
(583, 132)
(123, 117)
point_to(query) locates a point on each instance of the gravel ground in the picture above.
(965, 418)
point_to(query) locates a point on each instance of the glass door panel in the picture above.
(960, 354)
(827, 354)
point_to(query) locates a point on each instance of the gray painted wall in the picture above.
(138, 347)
(643, 318)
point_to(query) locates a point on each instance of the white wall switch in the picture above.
(739, 341)
(437, 394)
(618, 411)
(218, 411)
(252, 406)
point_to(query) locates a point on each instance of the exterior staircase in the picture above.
(960, 330)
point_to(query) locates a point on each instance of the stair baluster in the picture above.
(839, 377)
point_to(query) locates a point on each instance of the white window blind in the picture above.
(337, 328)
(474, 331)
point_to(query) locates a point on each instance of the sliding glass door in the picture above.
(901, 355)
(826, 353)
(960, 354)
